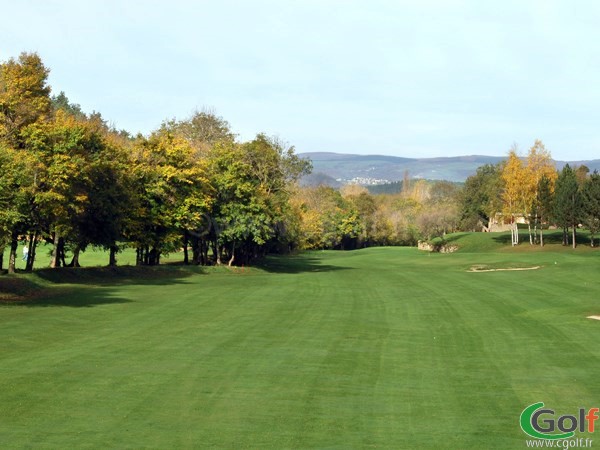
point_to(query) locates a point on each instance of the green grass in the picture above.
(89, 258)
(376, 348)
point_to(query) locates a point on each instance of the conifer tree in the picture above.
(591, 204)
(567, 204)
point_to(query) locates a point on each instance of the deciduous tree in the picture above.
(480, 197)
(539, 165)
(514, 195)
(24, 101)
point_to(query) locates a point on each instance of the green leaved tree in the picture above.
(591, 204)
(567, 204)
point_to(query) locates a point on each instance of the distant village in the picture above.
(364, 181)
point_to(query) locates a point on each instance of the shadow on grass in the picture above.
(30, 291)
(454, 237)
(76, 298)
(157, 275)
(296, 264)
(85, 287)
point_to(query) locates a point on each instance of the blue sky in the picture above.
(405, 78)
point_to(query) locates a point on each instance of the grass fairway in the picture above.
(383, 347)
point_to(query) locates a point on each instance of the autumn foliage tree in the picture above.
(328, 220)
(514, 194)
(539, 166)
(521, 188)
(24, 102)
(72, 181)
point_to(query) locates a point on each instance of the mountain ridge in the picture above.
(380, 169)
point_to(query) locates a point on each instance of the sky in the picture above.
(404, 78)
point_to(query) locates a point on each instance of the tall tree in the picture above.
(567, 204)
(539, 165)
(172, 194)
(514, 195)
(252, 183)
(64, 149)
(24, 96)
(24, 102)
(543, 203)
(203, 130)
(591, 204)
(107, 188)
(15, 180)
(481, 198)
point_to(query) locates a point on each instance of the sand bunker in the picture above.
(594, 317)
(488, 269)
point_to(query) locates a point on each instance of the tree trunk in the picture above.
(75, 260)
(31, 254)
(216, 253)
(574, 236)
(565, 237)
(230, 263)
(2, 257)
(195, 244)
(204, 252)
(54, 259)
(153, 257)
(112, 256)
(12, 257)
(61, 253)
(198, 252)
(186, 259)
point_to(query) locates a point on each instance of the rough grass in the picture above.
(382, 348)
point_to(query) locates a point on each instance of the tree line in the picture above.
(532, 191)
(519, 192)
(351, 217)
(69, 179)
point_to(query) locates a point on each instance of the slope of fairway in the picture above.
(383, 347)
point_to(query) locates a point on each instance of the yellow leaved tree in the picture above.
(540, 170)
(514, 175)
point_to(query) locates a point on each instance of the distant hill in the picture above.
(380, 169)
(318, 179)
